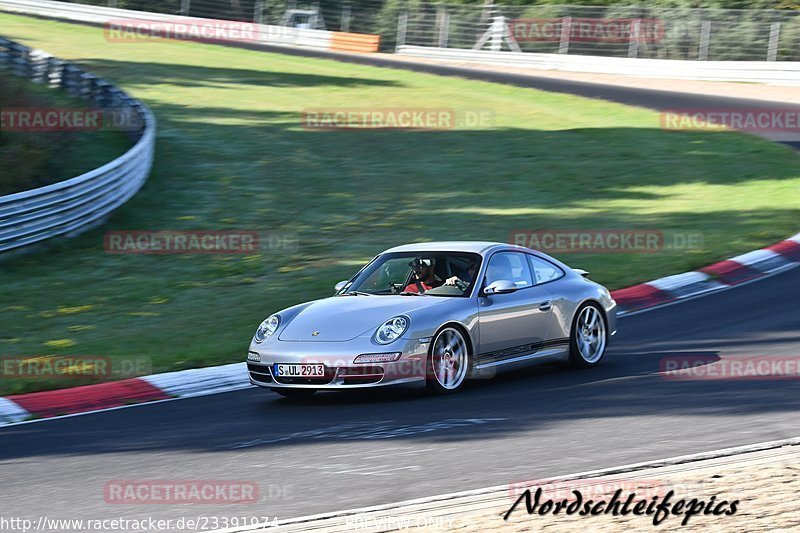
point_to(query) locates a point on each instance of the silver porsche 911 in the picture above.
(435, 314)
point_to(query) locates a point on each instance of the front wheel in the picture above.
(448, 362)
(295, 393)
(588, 338)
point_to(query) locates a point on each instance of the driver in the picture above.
(424, 277)
(463, 283)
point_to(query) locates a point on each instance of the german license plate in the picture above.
(290, 370)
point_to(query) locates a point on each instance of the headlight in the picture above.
(391, 330)
(267, 328)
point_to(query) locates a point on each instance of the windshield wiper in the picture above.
(358, 293)
(407, 293)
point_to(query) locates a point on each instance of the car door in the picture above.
(516, 323)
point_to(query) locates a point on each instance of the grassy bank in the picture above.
(232, 154)
(33, 159)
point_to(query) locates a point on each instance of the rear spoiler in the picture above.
(581, 271)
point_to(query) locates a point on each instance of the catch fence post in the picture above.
(774, 39)
(402, 26)
(566, 30)
(705, 37)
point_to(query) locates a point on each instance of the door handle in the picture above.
(545, 306)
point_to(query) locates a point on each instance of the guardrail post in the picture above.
(55, 69)
(774, 39)
(37, 66)
(566, 31)
(633, 41)
(402, 26)
(70, 80)
(705, 37)
(18, 56)
(100, 96)
(186, 6)
(4, 56)
(443, 21)
(346, 12)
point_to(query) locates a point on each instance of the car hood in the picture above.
(343, 318)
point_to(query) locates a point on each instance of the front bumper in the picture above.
(340, 370)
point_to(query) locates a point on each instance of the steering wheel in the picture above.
(395, 288)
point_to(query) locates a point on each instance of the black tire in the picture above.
(296, 393)
(452, 336)
(577, 358)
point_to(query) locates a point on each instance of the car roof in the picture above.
(478, 247)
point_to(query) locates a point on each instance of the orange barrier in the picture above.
(354, 42)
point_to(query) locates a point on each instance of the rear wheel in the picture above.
(448, 362)
(296, 393)
(588, 338)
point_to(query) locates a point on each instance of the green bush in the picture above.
(35, 159)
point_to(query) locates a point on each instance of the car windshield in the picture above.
(417, 273)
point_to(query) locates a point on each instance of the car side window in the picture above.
(544, 271)
(510, 266)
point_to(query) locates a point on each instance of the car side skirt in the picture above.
(521, 353)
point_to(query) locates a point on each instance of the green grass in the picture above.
(34, 159)
(232, 155)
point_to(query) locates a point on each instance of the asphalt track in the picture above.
(647, 98)
(340, 451)
(350, 450)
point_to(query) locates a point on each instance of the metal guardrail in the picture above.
(773, 72)
(67, 207)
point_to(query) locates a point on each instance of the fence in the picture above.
(616, 31)
(70, 206)
(181, 21)
(337, 15)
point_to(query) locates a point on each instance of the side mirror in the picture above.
(341, 285)
(501, 286)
